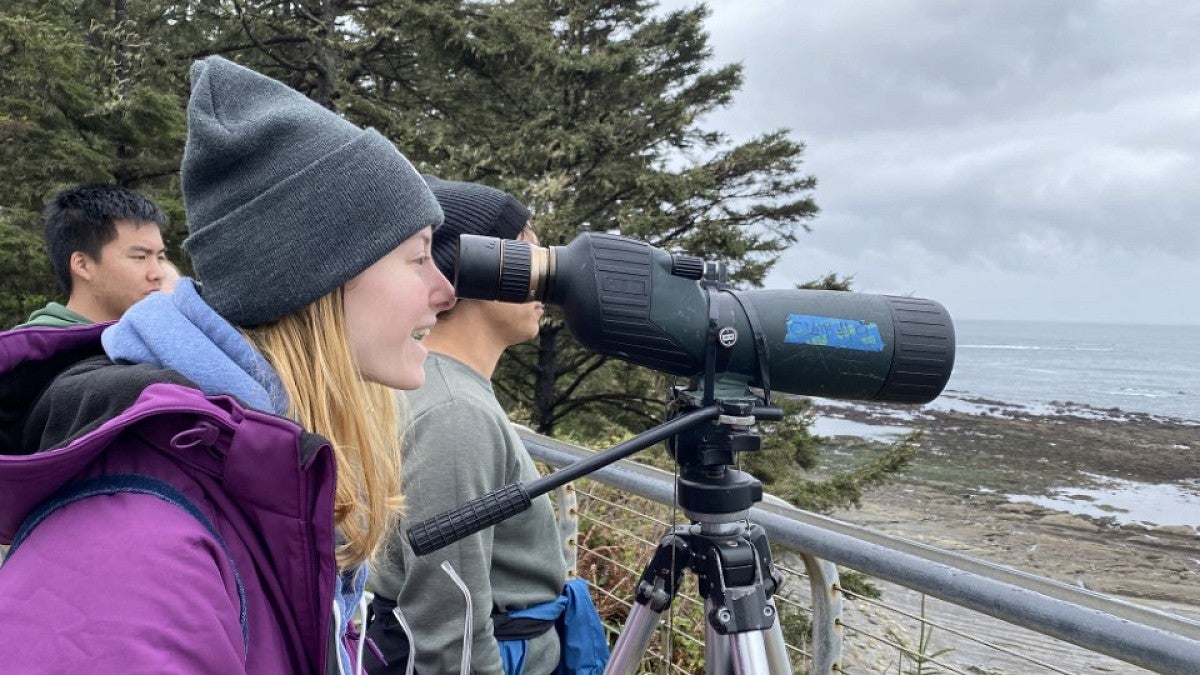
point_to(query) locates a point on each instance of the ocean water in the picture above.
(1141, 369)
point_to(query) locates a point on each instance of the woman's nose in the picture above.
(441, 295)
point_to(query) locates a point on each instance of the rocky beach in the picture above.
(1103, 499)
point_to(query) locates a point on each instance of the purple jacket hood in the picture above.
(67, 414)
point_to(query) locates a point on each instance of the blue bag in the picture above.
(582, 642)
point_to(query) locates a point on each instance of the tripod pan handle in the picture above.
(462, 521)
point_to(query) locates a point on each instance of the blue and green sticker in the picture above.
(826, 331)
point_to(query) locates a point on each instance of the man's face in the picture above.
(130, 267)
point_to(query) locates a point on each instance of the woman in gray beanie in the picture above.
(202, 485)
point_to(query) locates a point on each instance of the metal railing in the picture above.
(971, 593)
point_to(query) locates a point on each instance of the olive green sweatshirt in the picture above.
(55, 315)
(461, 446)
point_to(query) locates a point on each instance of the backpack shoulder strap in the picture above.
(134, 484)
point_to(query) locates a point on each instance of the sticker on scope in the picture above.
(826, 331)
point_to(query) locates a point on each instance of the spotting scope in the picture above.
(673, 313)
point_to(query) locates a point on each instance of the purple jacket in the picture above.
(129, 583)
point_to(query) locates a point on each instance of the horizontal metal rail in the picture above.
(1139, 635)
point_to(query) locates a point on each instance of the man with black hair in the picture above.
(106, 249)
(460, 446)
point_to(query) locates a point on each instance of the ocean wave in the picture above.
(971, 404)
(1043, 348)
(1147, 393)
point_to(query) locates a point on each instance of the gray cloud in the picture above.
(1013, 159)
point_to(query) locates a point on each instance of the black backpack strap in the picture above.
(391, 647)
(135, 484)
(505, 627)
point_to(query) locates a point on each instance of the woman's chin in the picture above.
(407, 381)
(407, 371)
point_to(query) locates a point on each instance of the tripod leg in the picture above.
(655, 591)
(749, 651)
(737, 580)
(752, 653)
(635, 638)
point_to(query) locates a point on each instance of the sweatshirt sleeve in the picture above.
(456, 454)
(120, 583)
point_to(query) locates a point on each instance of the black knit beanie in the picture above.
(286, 201)
(472, 209)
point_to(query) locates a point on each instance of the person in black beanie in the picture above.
(197, 488)
(462, 446)
(472, 208)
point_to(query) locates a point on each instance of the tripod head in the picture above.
(705, 452)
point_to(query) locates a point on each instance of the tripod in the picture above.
(730, 556)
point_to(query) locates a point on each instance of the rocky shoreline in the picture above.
(977, 456)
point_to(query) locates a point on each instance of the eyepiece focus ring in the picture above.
(515, 268)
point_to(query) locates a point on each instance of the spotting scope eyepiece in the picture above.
(624, 298)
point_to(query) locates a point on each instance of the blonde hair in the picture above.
(311, 353)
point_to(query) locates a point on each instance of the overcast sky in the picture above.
(1011, 159)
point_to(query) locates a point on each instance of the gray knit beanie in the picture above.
(472, 209)
(286, 201)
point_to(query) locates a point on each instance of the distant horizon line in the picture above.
(1077, 322)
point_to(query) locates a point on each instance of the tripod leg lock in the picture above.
(660, 579)
(742, 612)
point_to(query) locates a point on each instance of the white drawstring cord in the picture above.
(362, 633)
(469, 625)
(412, 645)
(337, 622)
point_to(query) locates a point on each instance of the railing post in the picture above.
(827, 604)
(568, 527)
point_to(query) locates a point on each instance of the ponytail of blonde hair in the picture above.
(310, 351)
